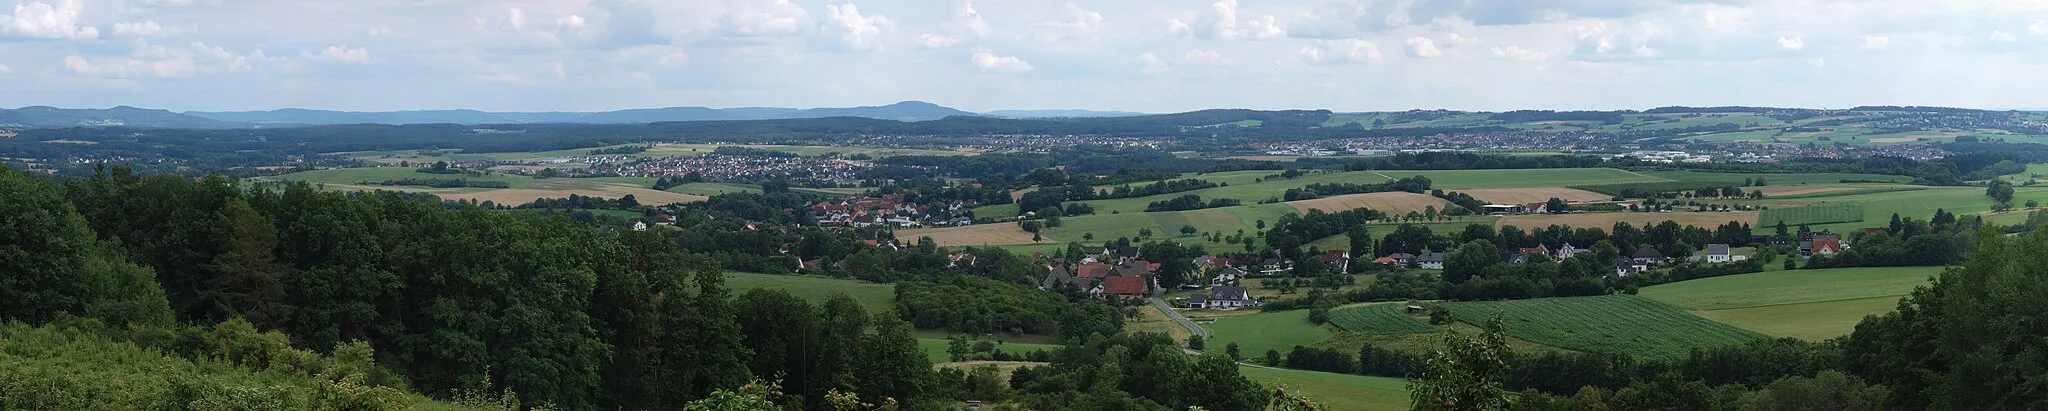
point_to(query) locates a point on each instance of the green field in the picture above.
(1919, 204)
(1860, 190)
(1336, 391)
(1790, 287)
(1256, 333)
(1808, 304)
(876, 297)
(1379, 319)
(712, 189)
(1815, 214)
(935, 348)
(1776, 179)
(1522, 178)
(1611, 323)
(1166, 225)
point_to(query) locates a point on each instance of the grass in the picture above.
(1257, 333)
(1379, 319)
(1336, 391)
(1919, 204)
(1815, 214)
(935, 348)
(878, 298)
(1776, 179)
(1808, 321)
(712, 189)
(376, 174)
(1790, 287)
(1452, 180)
(1612, 323)
(1858, 191)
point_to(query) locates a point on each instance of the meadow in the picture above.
(712, 189)
(1918, 204)
(879, 298)
(521, 190)
(1387, 318)
(935, 348)
(1257, 333)
(1807, 304)
(1814, 214)
(1335, 391)
(1611, 323)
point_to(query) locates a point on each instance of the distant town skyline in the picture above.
(1143, 56)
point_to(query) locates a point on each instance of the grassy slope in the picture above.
(1808, 304)
(876, 297)
(1615, 323)
(1920, 204)
(1337, 391)
(1256, 333)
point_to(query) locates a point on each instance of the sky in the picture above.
(1131, 55)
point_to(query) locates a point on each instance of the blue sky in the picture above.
(1153, 56)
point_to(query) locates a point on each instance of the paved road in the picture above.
(1161, 305)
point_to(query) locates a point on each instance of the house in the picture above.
(1124, 253)
(1092, 270)
(1402, 258)
(1826, 246)
(1338, 258)
(1807, 240)
(1536, 208)
(1209, 261)
(1386, 261)
(1717, 253)
(1627, 267)
(1058, 277)
(1223, 297)
(1567, 251)
(1274, 265)
(1523, 255)
(639, 226)
(1505, 209)
(1647, 256)
(812, 265)
(1132, 269)
(1096, 251)
(1227, 276)
(1431, 260)
(960, 259)
(1129, 288)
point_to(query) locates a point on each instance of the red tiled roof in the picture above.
(1829, 244)
(1124, 286)
(1093, 270)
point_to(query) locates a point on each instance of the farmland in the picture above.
(1336, 391)
(712, 189)
(1603, 220)
(1807, 304)
(1532, 195)
(972, 235)
(1815, 214)
(1378, 319)
(876, 297)
(1776, 179)
(1522, 178)
(1391, 203)
(521, 189)
(1612, 323)
(1919, 204)
(1257, 333)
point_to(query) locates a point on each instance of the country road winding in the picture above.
(1160, 304)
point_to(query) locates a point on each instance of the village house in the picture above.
(1430, 260)
(1523, 255)
(1567, 251)
(1826, 246)
(1224, 297)
(1717, 253)
(1807, 240)
(1338, 258)
(1227, 276)
(1058, 277)
(960, 259)
(1274, 266)
(1128, 288)
(1648, 256)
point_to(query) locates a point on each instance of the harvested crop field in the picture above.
(976, 235)
(1604, 220)
(527, 195)
(1532, 195)
(1395, 202)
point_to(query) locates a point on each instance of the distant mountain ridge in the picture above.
(903, 111)
(52, 117)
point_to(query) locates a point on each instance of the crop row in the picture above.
(1378, 319)
(1613, 323)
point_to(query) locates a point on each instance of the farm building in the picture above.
(1129, 288)
(1222, 297)
(1431, 260)
(1648, 256)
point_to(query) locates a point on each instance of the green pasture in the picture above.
(1336, 391)
(1257, 333)
(1775, 179)
(1790, 287)
(1248, 193)
(1166, 225)
(879, 298)
(1920, 204)
(1810, 215)
(1859, 190)
(1388, 318)
(1611, 323)
(935, 348)
(712, 189)
(1813, 321)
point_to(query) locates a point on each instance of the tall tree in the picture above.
(247, 280)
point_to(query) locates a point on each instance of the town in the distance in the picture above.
(914, 256)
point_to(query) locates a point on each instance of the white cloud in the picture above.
(124, 67)
(181, 3)
(1791, 43)
(764, 18)
(515, 19)
(1152, 63)
(970, 19)
(988, 60)
(1179, 28)
(146, 28)
(1876, 42)
(1422, 47)
(4, 70)
(2002, 37)
(573, 22)
(935, 41)
(1519, 53)
(2038, 28)
(44, 21)
(1220, 22)
(856, 31)
(1347, 51)
(340, 55)
(1461, 40)
(1203, 55)
(1077, 18)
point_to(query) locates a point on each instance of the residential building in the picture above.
(1648, 256)
(1431, 260)
(1224, 297)
(1717, 253)
(1129, 288)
